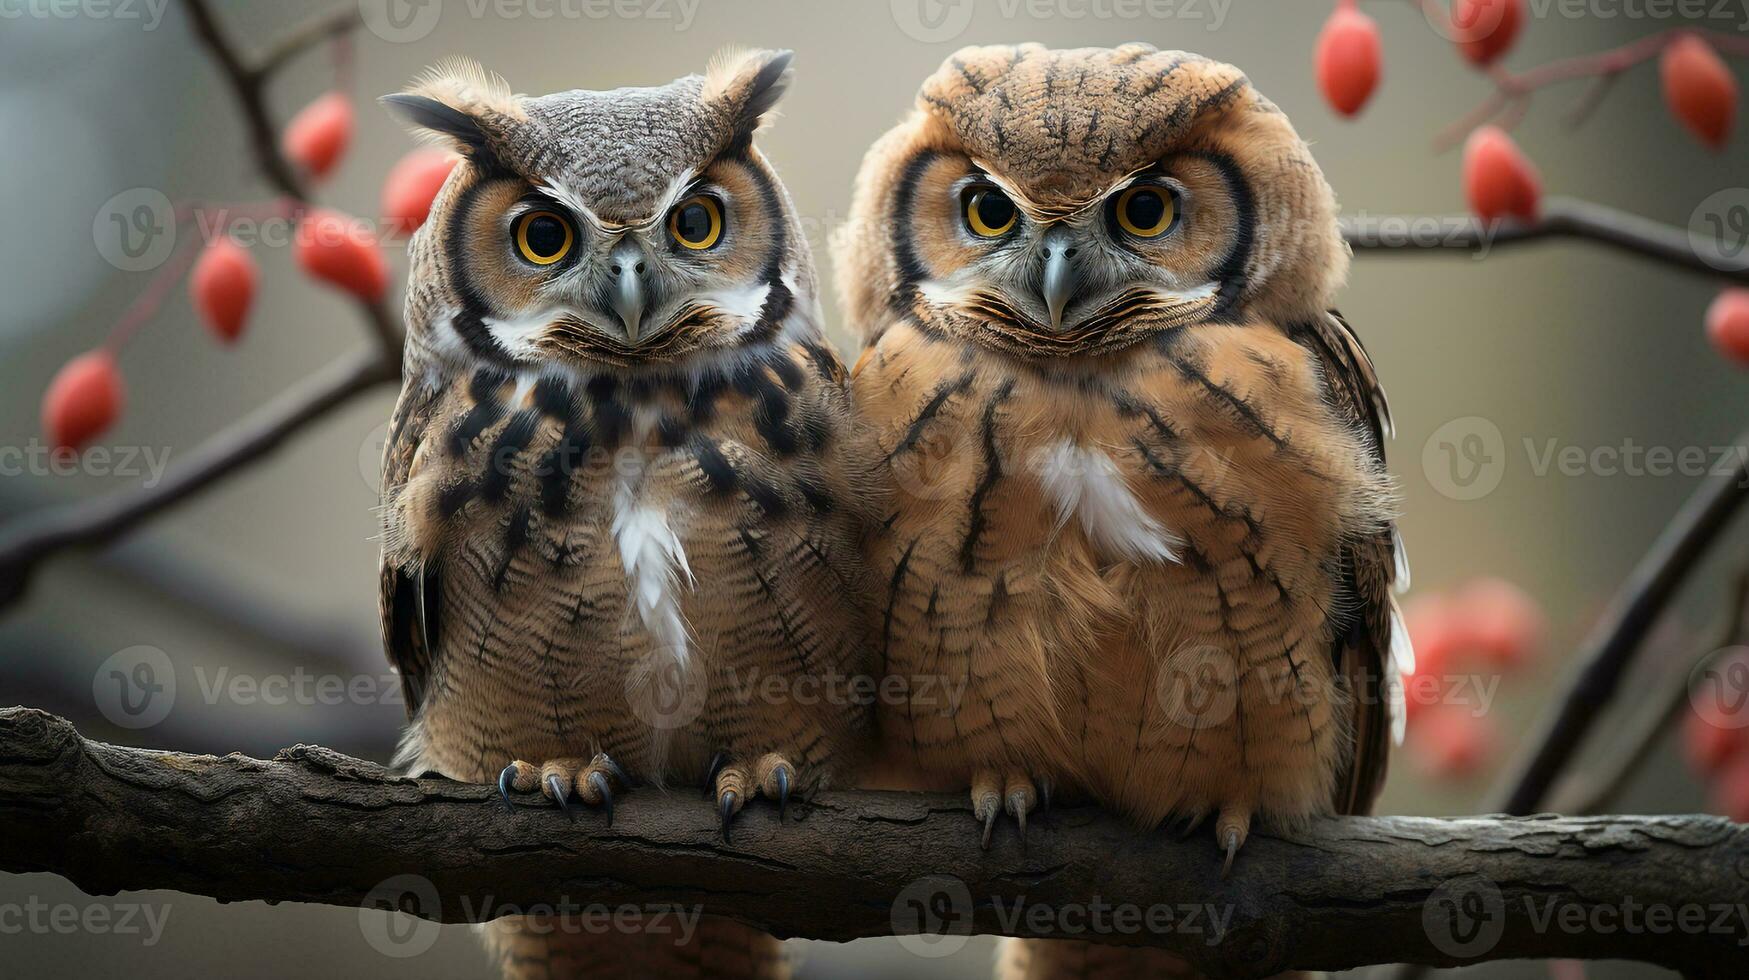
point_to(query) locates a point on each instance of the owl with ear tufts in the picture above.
(620, 537)
(1140, 506)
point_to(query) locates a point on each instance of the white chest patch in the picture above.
(1085, 485)
(654, 563)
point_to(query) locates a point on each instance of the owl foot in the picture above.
(1231, 829)
(734, 784)
(994, 793)
(592, 780)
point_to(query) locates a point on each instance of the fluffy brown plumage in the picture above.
(619, 517)
(1141, 510)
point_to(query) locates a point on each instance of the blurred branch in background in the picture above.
(1612, 647)
(1560, 218)
(316, 826)
(1597, 790)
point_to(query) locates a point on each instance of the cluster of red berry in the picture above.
(1465, 640)
(85, 397)
(1500, 181)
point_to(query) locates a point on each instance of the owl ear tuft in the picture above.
(438, 119)
(748, 84)
(459, 103)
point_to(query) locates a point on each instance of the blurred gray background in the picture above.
(273, 574)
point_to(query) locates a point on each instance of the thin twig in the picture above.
(332, 27)
(248, 84)
(1617, 638)
(1516, 88)
(1562, 217)
(1599, 793)
(26, 541)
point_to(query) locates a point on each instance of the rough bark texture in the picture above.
(312, 825)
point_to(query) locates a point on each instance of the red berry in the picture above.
(1727, 324)
(413, 184)
(1485, 29)
(339, 250)
(223, 287)
(1348, 59)
(1699, 89)
(1499, 180)
(1730, 795)
(318, 135)
(83, 400)
(1709, 746)
(1437, 631)
(1453, 742)
(1504, 623)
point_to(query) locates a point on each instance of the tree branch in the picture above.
(26, 541)
(1562, 217)
(315, 826)
(1610, 650)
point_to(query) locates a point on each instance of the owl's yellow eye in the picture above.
(697, 223)
(543, 237)
(989, 213)
(1145, 211)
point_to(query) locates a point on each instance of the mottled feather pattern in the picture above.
(623, 493)
(1152, 542)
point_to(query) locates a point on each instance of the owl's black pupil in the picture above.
(994, 209)
(693, 223)
(545, 235)
(1145, 209)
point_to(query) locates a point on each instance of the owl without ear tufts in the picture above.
(1140, 505)
(620, 496)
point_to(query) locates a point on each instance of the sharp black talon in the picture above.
(614, 770)
(504, 786)
(728, 810)
(1232, 851)
(782, 775)
(599, 781)
(710, 773)
(1020, 815)
(990, 825)
(1044, 794)
(559, 794)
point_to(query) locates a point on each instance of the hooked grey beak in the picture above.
(1060, 278)
(626, 264)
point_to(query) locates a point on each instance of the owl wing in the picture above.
(1371, 646)
(409, 624)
